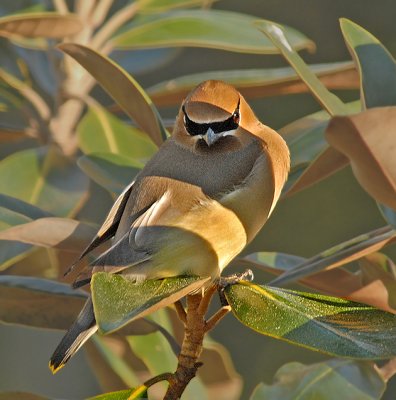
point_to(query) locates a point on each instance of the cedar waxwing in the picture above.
(195, 205)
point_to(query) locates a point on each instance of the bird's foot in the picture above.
(225, 281)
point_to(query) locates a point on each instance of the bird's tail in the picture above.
(81, 330)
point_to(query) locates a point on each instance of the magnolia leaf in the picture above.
(340, 254)
(388, 214)
(327, 324)
(44, 24)
(60, 233)
(101, 132)
(118, 301)
(374, 288)
(328, 380)
(156, 6)
(21, 396)
(121, 87)
(111, 171)
(368, 140)
(128, 394)
(21, 207)
(45, 178)
(324, 165)
(204, 28)
(278, 36)
(256, 82)
(377, 67)
(38, 302)
(114, 359)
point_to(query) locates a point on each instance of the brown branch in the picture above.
(214, 319)
(191, 348)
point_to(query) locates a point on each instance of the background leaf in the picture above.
(121, 87)
(45, 178)
(101, 132)
(344, 379)
(204, 28)
(377, 67)
(368, 140)
(51, 25)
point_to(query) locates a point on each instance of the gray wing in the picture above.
(109, 226)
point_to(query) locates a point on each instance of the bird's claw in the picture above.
(225, 281)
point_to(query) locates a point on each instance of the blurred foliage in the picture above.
(63, 152)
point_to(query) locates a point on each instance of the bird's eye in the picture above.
(236, 116)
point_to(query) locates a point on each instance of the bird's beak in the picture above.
(210, 137)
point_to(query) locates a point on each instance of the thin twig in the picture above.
(387, 370)
(181, 312)
(61, 6)
(115, 22)
(214, 319)
(159, 378)
(100, 12)
(203, 306)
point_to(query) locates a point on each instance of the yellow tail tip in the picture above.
(54, 369)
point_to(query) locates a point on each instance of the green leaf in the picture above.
(122, 87)
(204, 28)
(327, 324)
(11, 252)
(129, 394)
(118, 301)
(254, 82)
(306, 140)
(44, 24)
(157, 6)
(21, 396)
(377, 67)
(38, 302)
(113, 172)
(329, 380)
(278, 36)
(155, 352)
(59, 233)
(116, 362)
(45, 178)
(101, 132)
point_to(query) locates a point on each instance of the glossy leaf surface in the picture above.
(118, 301)
(327, 324)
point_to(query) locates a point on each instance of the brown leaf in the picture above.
(256, 83)
(47, 24)
(368, 139)
(327, 163)
(60, 233)
(121, 87)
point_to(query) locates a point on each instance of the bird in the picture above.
(194, 206)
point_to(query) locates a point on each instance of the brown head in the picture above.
(214, 116)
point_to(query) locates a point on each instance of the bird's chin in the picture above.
(223, 144)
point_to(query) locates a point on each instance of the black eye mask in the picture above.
(194, 128)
